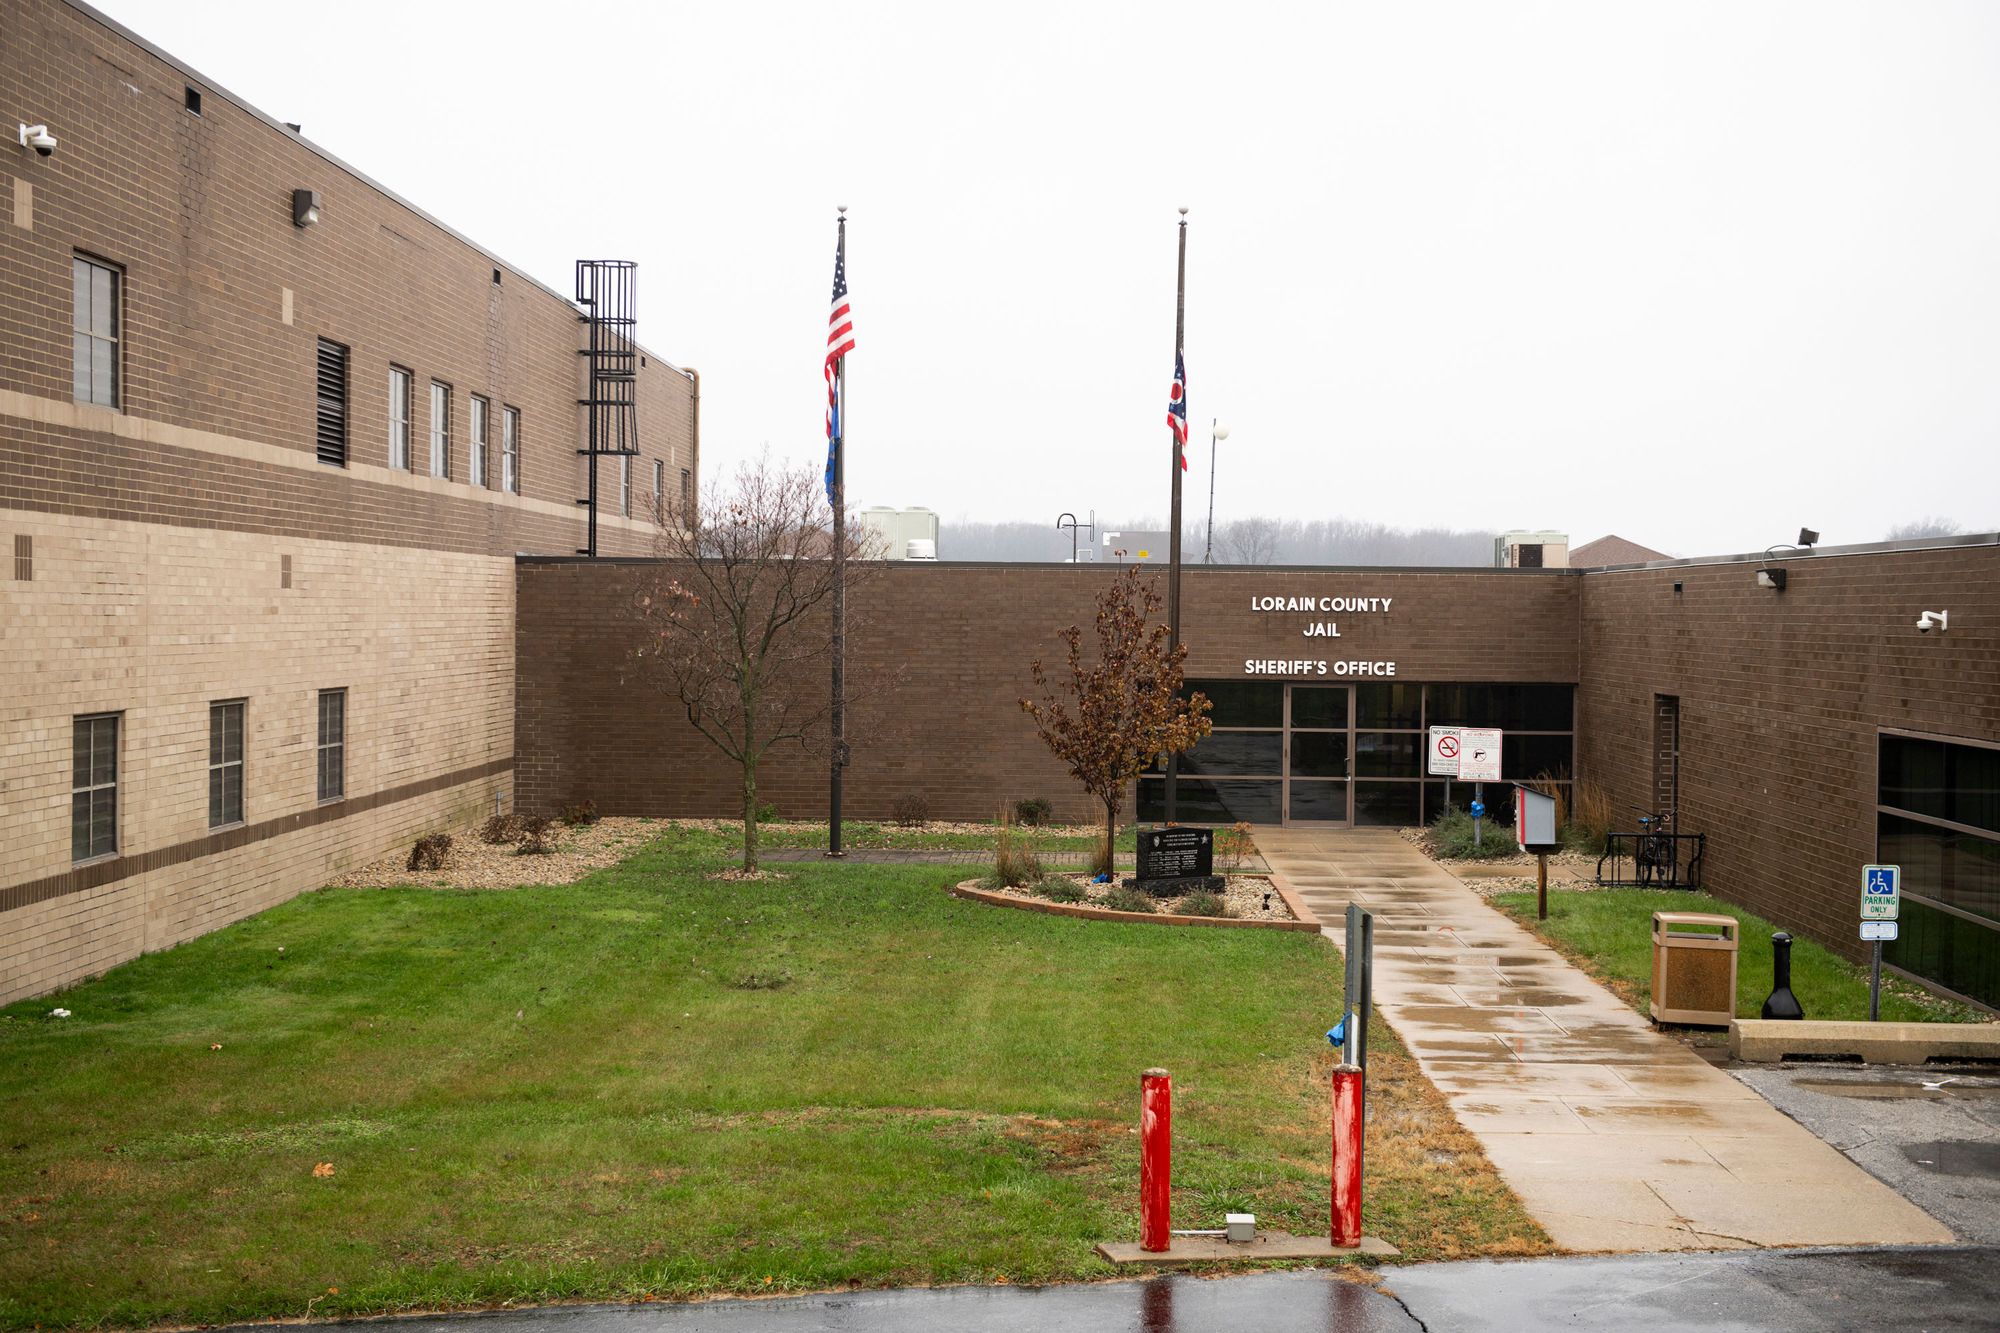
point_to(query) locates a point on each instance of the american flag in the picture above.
(1177, 410)
(839, 342)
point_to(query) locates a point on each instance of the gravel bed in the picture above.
(472, 864)
(1573, 872)
(1244, 896)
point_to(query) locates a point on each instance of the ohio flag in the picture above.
(1177, 410)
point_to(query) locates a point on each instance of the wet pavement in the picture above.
(1932, 1133)
(1615, 1137)
(1942, 1288)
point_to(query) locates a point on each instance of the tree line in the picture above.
(1245, 541)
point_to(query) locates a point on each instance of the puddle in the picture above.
(1889, 1092)
(1957, 1157)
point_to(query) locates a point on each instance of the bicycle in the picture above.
(1654, 855)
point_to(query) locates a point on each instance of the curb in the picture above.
(1306, 922)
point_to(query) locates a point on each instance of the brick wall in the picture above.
(964, 635)
(1781, 695)
(161, 529)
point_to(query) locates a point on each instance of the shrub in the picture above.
(1232, 844)
(499, 829)
(1122, 899)
(1451, 839)
(1033, 811)
(1014, 861)
(538, 836)
(912, 810)
(428, 854)
(578, 814)
(1061, 889)
(1590, 815)
(767, 813)
(1201, 903)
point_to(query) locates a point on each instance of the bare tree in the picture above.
(1928, 526)
(1253, 541)
(736, 625)
(1112, 717)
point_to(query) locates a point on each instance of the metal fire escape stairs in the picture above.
(604, 295)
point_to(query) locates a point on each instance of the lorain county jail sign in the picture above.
(1317, 626)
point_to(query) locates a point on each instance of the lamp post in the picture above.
(1216, 432)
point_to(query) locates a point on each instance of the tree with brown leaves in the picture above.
(1114, 716)
(734, 625)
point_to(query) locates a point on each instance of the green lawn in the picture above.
(860, 835)
(1611, 931)
(651, 1083)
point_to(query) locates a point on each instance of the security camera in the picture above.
(1931, 620)
(38, 138)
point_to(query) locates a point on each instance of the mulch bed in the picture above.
(1246, 897)
(472, 864)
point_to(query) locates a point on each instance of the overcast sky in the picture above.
(1695, 274)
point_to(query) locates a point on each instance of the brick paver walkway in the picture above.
(1614, 1136)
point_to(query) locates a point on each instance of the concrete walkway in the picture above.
(1614, 1136)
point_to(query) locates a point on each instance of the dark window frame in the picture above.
(97, 787)
(401, 410)
(330, 752)
(83, 327)
(220, 764)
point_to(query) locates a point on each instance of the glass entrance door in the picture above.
(1319, 763)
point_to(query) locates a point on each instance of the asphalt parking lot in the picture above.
(1931, 1133)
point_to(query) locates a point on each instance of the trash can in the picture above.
(1694, 968)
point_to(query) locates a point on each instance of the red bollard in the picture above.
(1347, 1117)
(1156, 1160)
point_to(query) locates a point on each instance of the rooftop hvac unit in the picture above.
(920, 548)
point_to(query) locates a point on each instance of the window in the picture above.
(193, 99)
(332, 427)
(95, 287)
(687, 490)
(332, 744)
(659, 490)
(510, 450)
(625, 485)
(225, 763)
(1937, 815)
(399, 417)
(440, 429)
(477, 447)
(93, 787)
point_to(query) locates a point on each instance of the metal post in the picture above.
(838, 720)
(1174, 519)
(1348, 1116)
(1156, 1160)
(1478, 798)
(1367, 1007)
(1875, 985)
(1208, 534)
(1350, 1005)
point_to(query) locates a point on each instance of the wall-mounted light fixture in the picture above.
(1772, 577)
(1808, 538)
(305, 208)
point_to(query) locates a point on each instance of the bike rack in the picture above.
(1638, 861)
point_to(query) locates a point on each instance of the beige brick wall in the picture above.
(158, 622)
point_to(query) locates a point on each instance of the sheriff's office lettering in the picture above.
(1319, 629)
(1282, 666)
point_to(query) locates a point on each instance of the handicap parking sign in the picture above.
(1881, 892)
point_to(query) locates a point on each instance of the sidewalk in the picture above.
(1614, 1136)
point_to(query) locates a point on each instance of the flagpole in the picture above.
(839, 718)
(1174, 521)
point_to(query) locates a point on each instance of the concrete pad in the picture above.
(1613, 1135)
(1268, 1245)
(1519, 1115)
(1767, 1041)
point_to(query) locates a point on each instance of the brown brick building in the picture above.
(262, 485)
(290, 482)
(1805, 731)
